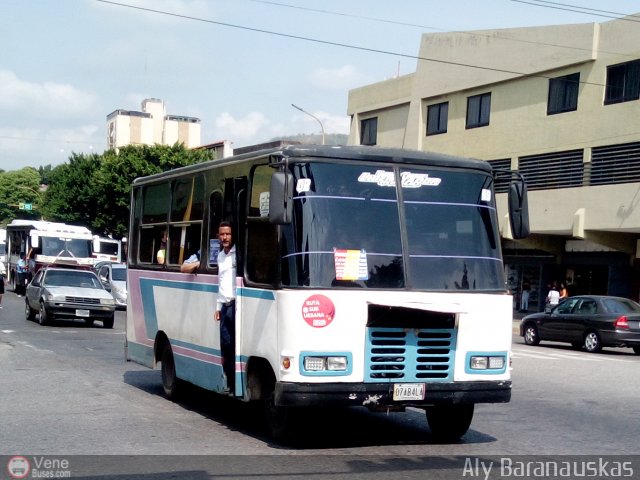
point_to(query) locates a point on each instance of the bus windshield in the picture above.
(66, 247)
(350, 229)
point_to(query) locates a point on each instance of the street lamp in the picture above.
(312, 116)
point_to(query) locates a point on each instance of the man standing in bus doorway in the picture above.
(226, 305)
(3, 274)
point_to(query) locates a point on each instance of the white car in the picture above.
(68, 293)
(114, 278)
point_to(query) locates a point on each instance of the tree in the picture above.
(118, 171)
(16, 187)
(72, 196)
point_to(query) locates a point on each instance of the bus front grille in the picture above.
(410, 355)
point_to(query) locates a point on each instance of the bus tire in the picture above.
(279, 420)
(170, 382)
(449, 422)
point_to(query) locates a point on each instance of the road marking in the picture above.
(7, 331)
(583, 356)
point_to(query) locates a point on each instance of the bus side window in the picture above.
(215, 217)
(152, 248)
(262, 240)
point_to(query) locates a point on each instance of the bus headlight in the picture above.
(336, 363)
(487, 362)
(314, 364)
(329, 363)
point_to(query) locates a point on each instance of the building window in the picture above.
(437, 118)
(563, 94)
(369, 131)
(478, 108)
(623, 82)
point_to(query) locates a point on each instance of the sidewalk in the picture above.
(517, 316)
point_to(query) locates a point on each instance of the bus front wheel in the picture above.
(449, 422)
(281, 421)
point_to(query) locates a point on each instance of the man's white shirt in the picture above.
(226, 277)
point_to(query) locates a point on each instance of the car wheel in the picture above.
(170, 382)
(108, 322)
(592, 342)
(449, 422)
(29, 312)
(44, 316)
(531, 334)
(636, 350)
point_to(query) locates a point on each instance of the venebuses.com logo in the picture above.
(18, 467)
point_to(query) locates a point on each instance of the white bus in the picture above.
(3, 246)
(366, 277)
(107, 249)
(45, 243)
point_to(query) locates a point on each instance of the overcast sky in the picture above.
(238, 65)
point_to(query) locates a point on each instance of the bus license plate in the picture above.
(408, 391)
(82, 313)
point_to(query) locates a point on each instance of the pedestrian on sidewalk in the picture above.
(524, 296)
(553, 297)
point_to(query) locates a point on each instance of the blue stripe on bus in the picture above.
(148, 300)
(140, 353)
(256, 293)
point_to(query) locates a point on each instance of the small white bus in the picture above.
(366, 277)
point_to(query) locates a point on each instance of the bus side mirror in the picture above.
(280, 198)
(518, 209)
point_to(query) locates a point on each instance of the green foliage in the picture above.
(94, 190)
(19, 186)
(71, 196)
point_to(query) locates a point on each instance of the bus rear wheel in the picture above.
(449, 422)
(170, 382)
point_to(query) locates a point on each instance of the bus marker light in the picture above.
(286, 363)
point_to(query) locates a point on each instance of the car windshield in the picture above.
(71, 278)
(119, 274)
(351, 229)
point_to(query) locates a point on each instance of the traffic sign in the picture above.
(25, 206)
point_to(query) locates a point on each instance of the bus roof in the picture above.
(351, 152)
(52, 227)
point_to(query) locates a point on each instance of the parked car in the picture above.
(68, 293)
(589, 321)
(114, 279)
(100, 263)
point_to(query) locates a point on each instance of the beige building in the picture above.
(151, 126)
(561, 105)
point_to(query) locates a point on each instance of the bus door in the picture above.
(233, 211)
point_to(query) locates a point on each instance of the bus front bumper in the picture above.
(380, 395)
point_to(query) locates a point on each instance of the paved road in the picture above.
(66, 389)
